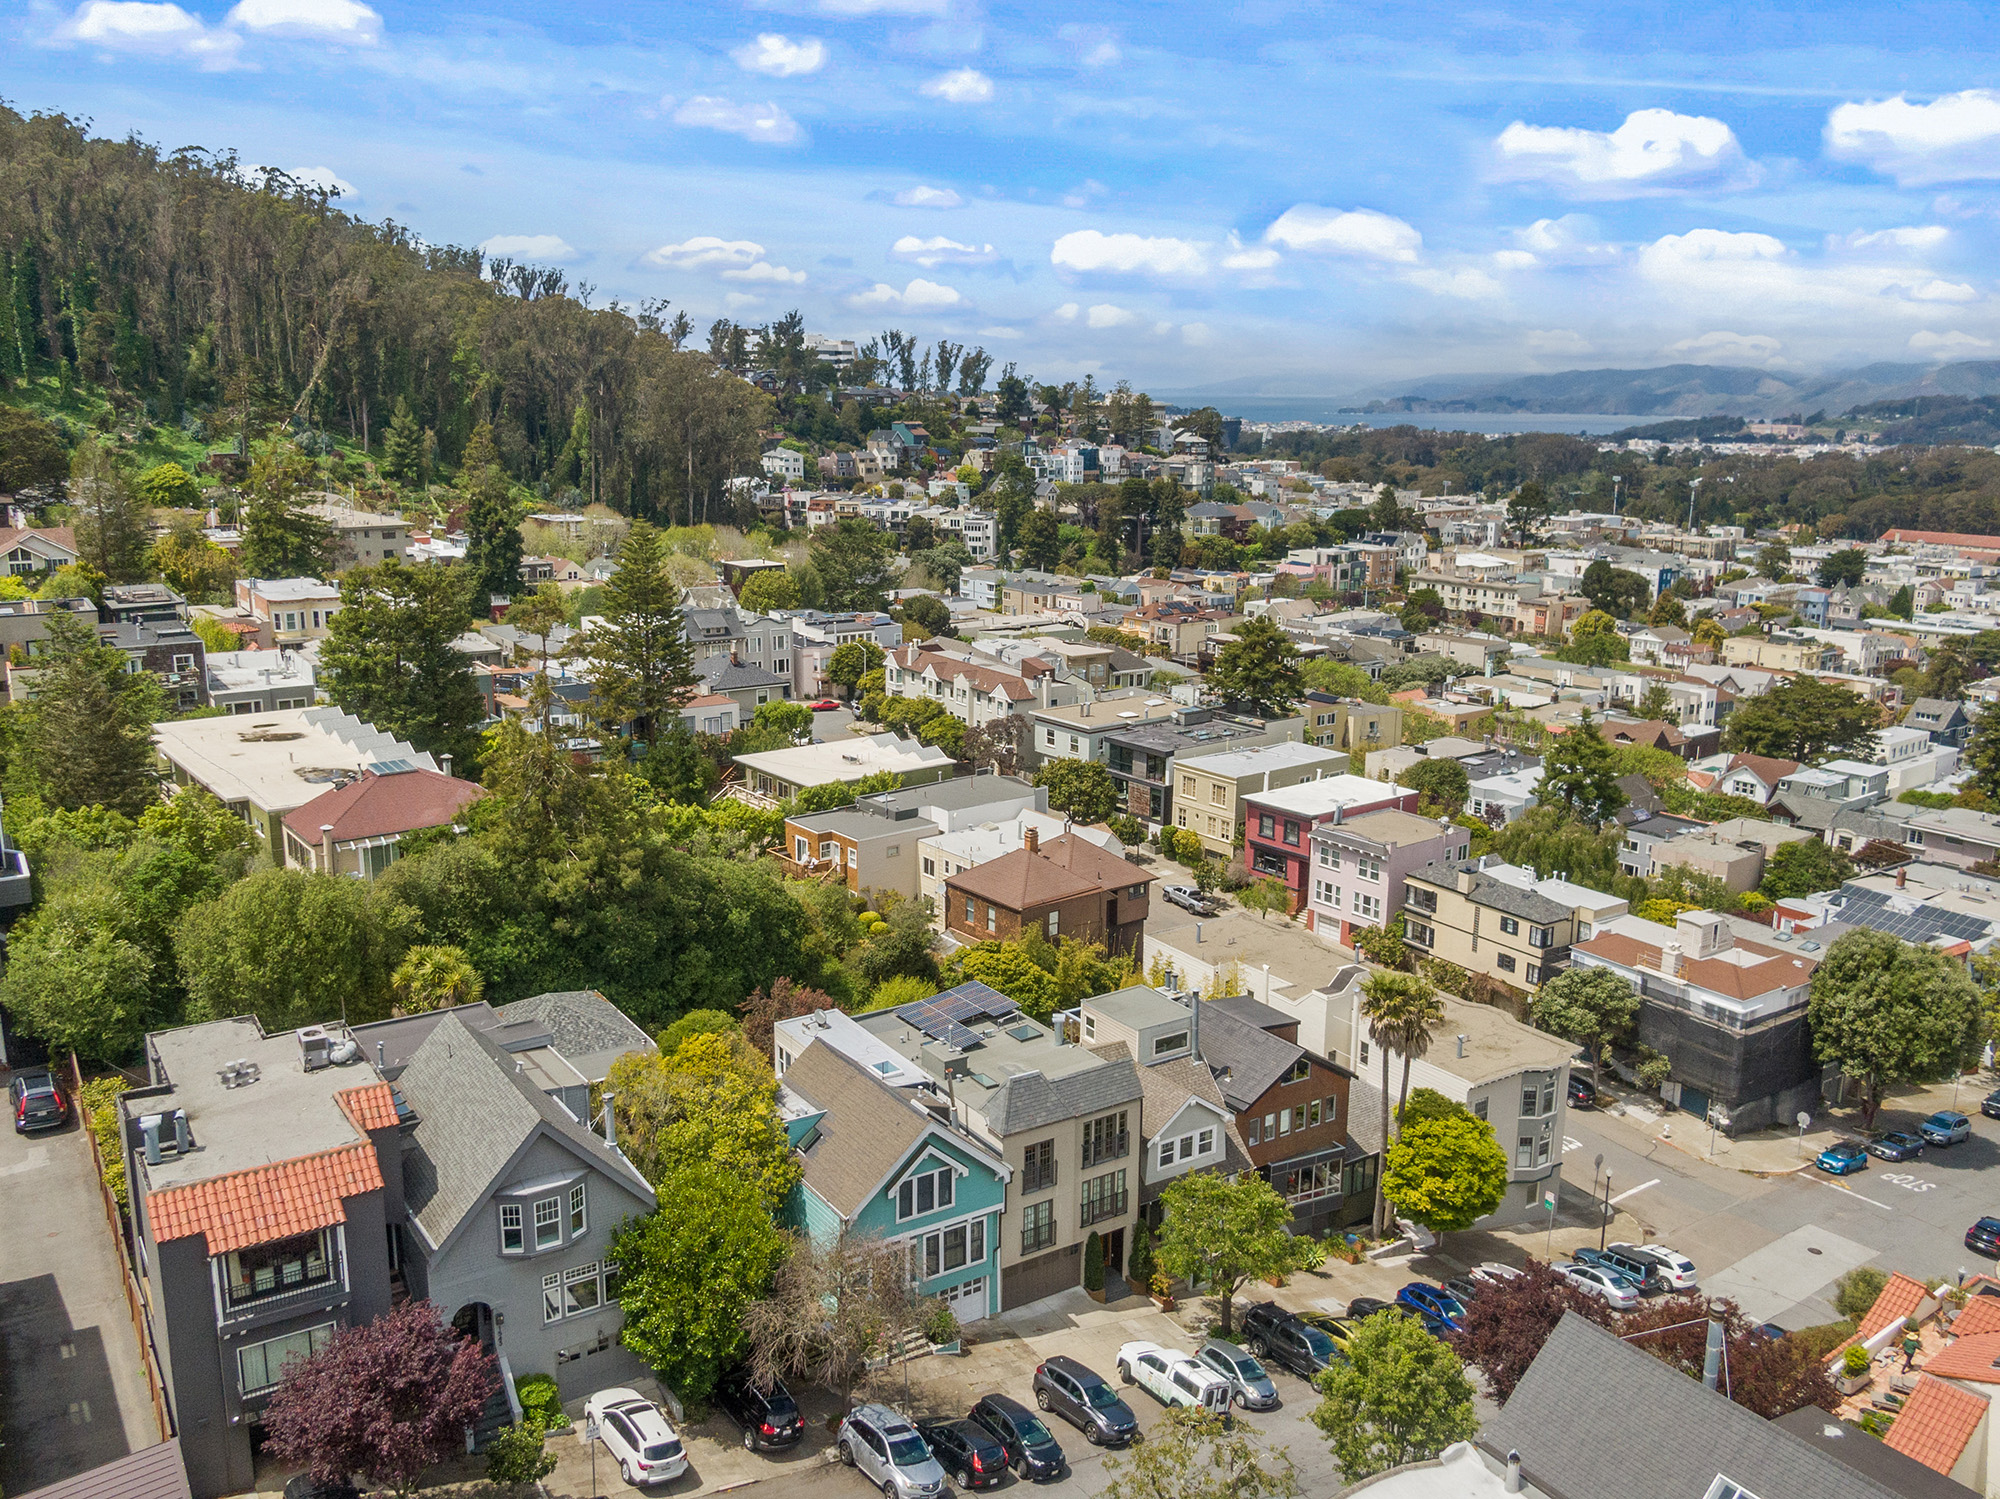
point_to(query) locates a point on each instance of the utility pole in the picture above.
(1604, 1227)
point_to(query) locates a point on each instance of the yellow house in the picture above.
(1208, 790)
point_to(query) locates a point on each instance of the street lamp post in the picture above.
(1604, 1227)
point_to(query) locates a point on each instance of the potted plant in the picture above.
(1856, 1371)
(1139, 1260)
(1093, 1267)
(940, 1325)
(1163, 1291)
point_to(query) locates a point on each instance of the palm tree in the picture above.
(1402, 1009)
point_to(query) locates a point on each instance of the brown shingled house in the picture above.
(1070, 888)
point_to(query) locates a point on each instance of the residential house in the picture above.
(1501, 797)
(780, 774)
(876, 840)
(565, 571)
(750, 639)
(358, 828)
(1911, 758)
(1955, 835)
(1106, 668)
(1754, 777)
(361, 538)
(940, 855)
(1080, 730)
(745, 683)
(259, 681)
(1812, 796)
(1780, 652)
(893, 1164)
(1728, 1009)
(585, 1028)
(1733, 852)
(1499, 920)
(1067, 888)
(1278, 824)
(1209, 788)
(142, 603)
(263, 766)
(817, 635)
(287, 611)
(1175, 628)
(1475, 650)
(1141, 759)
(1030, 592)
(27, 550)
(1060, 1116)
(24, 626)
(1646, 833)
(1360, 863)
(1945, 721)
(1350, 724)
(784, 463)
(1657, 733)
(714, 713)
(975, 692)
(173, 653)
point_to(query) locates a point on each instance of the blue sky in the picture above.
(1314, 197)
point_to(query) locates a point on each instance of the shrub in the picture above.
(938, 1322)
(1446, 976)
(99, 1101)
(1856, 1291)
(541, 1402)
(1093, 1263)
(516, 1455)
(1855, 1362)
(1139, 1258)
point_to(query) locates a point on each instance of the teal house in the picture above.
(888, 1162)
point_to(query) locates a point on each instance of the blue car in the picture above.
(1439, 1309)
(1841, 1158)
(1945, 1129)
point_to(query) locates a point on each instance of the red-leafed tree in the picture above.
(386, 1401)
(1770, 1377)
(784, 1000)
(1507, 1323)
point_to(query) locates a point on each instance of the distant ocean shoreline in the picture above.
(1326, 411)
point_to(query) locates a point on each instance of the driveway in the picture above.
(72, 1389)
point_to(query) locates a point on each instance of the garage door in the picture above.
(1044, 1275)
(967, 1299)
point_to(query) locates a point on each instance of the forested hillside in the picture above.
(197, 299)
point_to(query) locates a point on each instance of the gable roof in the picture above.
(1975, 1359)
(380, 806)
(1935, 1423)
(1061, 869)
(1167, 1088)
(266, 1202)
(1899, 1297)
(1981, 1314)
(155, 1472)
(43, 540)
(1765, 768)
(475, 1115)
(1034, 1100)
(1247, 1058)
(867, 1134)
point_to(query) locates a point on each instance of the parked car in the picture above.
(38, 1100)
(966, 1450)
(1608, 1284)
(1281, 1338)
(769, 1417)
(826, 705)
(1493, 1272)
(1984, 1236)
(1190, 898)
(1085, 1399)
(1676, 1267)
(1363, 1307)
(1173, 1378)
(1990, 1105)
(1582, 1092)
(1433, 1304)
(1032, 1449)
(880, 1444)
(1769, 1332)
(1248, 1383)
(1340, 1329)
(1895, 1145)
(1945, 1128)
(1841, 1158)
(1464, 1288)
(633, 1431)
(1642, 1271)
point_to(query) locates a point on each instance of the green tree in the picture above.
(492, 522)
(191, 563)
(1528, 507)
(768, 590)
(435, 977)
(1445, 1173)
(854, 562)
(88, 732)
(1590, 1006)
(1804, 719)
(1081, 790)
(391, 657)
(1775, 561)
(540, 614)
(168, 486)
(791, 721)
(1615, 591)
(1804, 868)
(641, 665)
(1039, 535)
(1982, 754)
(282, 537)
(1400, 1396)
(1580, 774)
(1402, 1009)
(113, 521)
(1265, 895)
(32, 460)
(1843, 569)
(1656, 702)
(928, 615)
(517, 1455)
(1443, 784)
(1947, 674)
(1855, 1292)
(1220, 1233)
(852, 661)
(688, 1271)
(1003, 966)
(74, 982)
(1260, 666)
(1195, 1454)
(697, 1023)
(708, 1102)
(1885, 1011)
(403, 445)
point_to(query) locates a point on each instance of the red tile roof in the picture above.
(1981, 1314)
(1944, 539)
(1935, 1423)
(269, 1202)
(378, 806)
(1773, 968)
(370, 1107)
(1976, 1359)
(1899, 1298)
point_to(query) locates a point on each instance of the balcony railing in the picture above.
(1110, 1205)
(1110, 1150)
(1417, 899)
(251, 1300)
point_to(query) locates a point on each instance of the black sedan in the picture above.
(1368, 1306)
(1895, 1145)
(1990, 1105)
(1984, 1237)
(967, 1451)
(1582, 1092)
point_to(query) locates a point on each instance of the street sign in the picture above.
(1549, 1201)
(1804, 1119)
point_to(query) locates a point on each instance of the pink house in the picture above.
(1359, 864)
(1278, 825)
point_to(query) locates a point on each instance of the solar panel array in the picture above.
(1871, 909)
(943, 1017)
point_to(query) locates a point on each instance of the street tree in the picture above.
(391, 657)
(1580, 774)
(88, 736)
(387, 1400)
(687, 1271)
(1401, 1009)
(1265, 895)
(831, 1307)
(1774, 561)
(282, 537)
(1400, 1396)
(852, 661)
(1803, 719)
(1081, 790)
(1442, 784)
(1804, 867)
(1590, 1006)
(641, 665)
(1507, 1323)
(1446, 1174)
(540, 614)
(1195, 1454)
(1614, 590)
(1220, 1233)
(1260, 666)
(436, 976)
(1843, 569)
(1886, 1011)
(770, 589)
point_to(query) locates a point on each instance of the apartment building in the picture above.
(287, 611)
(781, 774)
(1349, 724)
(1360, 864)
(1080, 730)
(1780, 652)
(1142, 759)
(360, 537)
(1499, 920)
(1209, 788)
(1494, 599)
(973, 691)
(877, 841)
(1278, 825)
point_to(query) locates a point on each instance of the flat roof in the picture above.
(280, 760)
(1317, 798)
(1105, 712)
(1300, 960)
(1235, 764)
(1389, 827)
(286, 1113)
(289, 590)
(850, 759)
(1496, 1044)
(1000, 1055)
(1138, 1007)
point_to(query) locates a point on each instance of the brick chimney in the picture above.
(1031, 840)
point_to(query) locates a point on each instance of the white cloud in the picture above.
(763, 270)
(1574, 238)
(965, 86)
(1467, 283)
(1163, 328)
(919, 296)
(1760, 277)
(1241, 257)
(1105, 315)
(1097, 47)
(928, 197)
(1087, 251)
(1728, 348)
(736, 301)
(999, 330)
(766, 123)
(937, 250)
(1914, 237)
(779, 56)
(1925, 341)
(321, 20)
(1653, 149)
(1194, 333)
(136, 26)
(323, 177)
(1556, 341)
(1514, 260)
(1360, 232)
(544, 247)
(706, 252)
(1067, 312)
(1951, 139)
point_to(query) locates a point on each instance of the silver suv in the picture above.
(887, 1451)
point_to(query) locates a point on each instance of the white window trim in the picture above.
(519, 1228)
(579, 1211)
(555, 1221)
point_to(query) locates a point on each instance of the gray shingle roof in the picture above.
(723, 675)
(1594, 1415)
(1494, 894)
(588, 1029)
(1253, 1058)
(867, 1132)
(1035, 1101)
(475, 1112)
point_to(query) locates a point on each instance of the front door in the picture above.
(1114, 1252)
